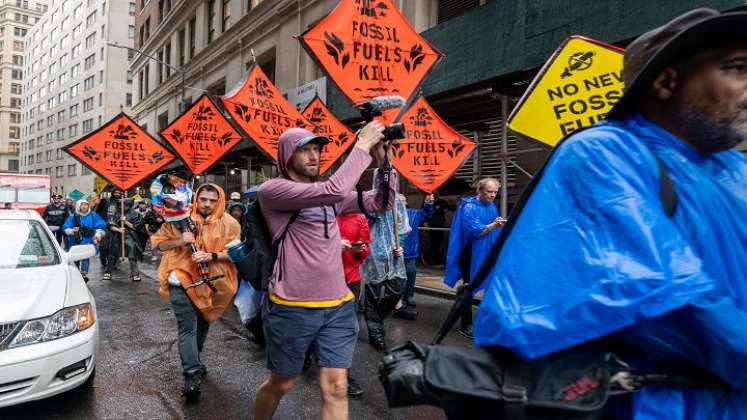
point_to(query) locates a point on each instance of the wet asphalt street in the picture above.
(138, 374)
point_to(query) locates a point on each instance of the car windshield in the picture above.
(30, 245)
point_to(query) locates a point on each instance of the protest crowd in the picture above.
(622, 262)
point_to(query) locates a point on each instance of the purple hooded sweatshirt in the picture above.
(310, 255)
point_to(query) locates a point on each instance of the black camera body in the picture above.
(376, 106)
(394, 131)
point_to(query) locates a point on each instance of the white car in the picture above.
(48, 328)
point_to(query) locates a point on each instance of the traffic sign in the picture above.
(575, 88)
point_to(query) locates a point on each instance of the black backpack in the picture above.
(256, 268)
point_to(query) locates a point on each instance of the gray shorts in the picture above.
(330, 333)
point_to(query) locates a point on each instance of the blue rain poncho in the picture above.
(470, 219)
(592, 253)
(416, 218)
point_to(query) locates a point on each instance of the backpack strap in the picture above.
(281, 238)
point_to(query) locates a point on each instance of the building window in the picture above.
(90, 61)
(13, 165)
(192, 30)
(58, 171)
(61, 116)
(87, 125)
(74, 90)
(211, 20)
(84, 170)
(89, 83)
(88, 104)
(61, 134)
(164, 7)
(131, 32)
(74, 71)
(159, 68)
(76, 51)
(73, 110)
(226, 15)
(59, 153)
(128, 99)
(182, 46)
(71, 169)
(72, 131)
(167, 59)
(147, 78)
(132, 11)
(14, 132)
(16, 74)
(90, 40)
(140, 86)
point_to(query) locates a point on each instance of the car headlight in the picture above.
(63, 323)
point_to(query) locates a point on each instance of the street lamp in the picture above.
(182, 105)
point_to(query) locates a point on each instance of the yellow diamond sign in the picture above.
(576, 87)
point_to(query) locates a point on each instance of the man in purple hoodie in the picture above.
(309, 305)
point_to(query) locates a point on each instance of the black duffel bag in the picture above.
(478, 383)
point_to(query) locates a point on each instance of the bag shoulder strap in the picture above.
(76, 220)
(667, 192)
(293, 218)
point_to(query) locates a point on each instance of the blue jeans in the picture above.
(412, 273)
(192, 328)
(83, 265)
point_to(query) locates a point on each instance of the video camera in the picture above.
(376, 106)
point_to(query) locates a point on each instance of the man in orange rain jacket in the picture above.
(196, 307)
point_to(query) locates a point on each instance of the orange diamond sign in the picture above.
(325, 124)
(432, 151)
(369, 49)
(121, 152)
(201, 135)
(261, 111)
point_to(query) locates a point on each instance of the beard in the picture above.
(714, 129)
(205, 213)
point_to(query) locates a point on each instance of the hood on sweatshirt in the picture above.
(289, 141)
(217, 213)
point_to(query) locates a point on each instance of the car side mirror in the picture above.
(80, 252)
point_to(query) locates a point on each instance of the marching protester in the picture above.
(384, 272)
(433, 254)
(70, 204)
(309, 304)
(641, 225)
(196, 307)
(81, 228)
(114, 218)
(416, 217)
(55, 215)
(356, 239)
(473, 233)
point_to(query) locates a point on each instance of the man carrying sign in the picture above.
(635, 229)
(309, 305)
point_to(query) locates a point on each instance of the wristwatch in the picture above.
(215, 256)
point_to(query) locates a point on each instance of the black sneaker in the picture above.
(466, 332)
(405, 313)
(378, 343)
(192, 382)
(85, 277)
(354, 390)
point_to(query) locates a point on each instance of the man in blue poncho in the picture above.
(473, 233)
(590, 251)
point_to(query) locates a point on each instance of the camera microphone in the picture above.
(376, 106)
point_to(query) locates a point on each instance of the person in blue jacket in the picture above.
(592, 253)
(474, 229)
(81, 228)
(416, 218)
